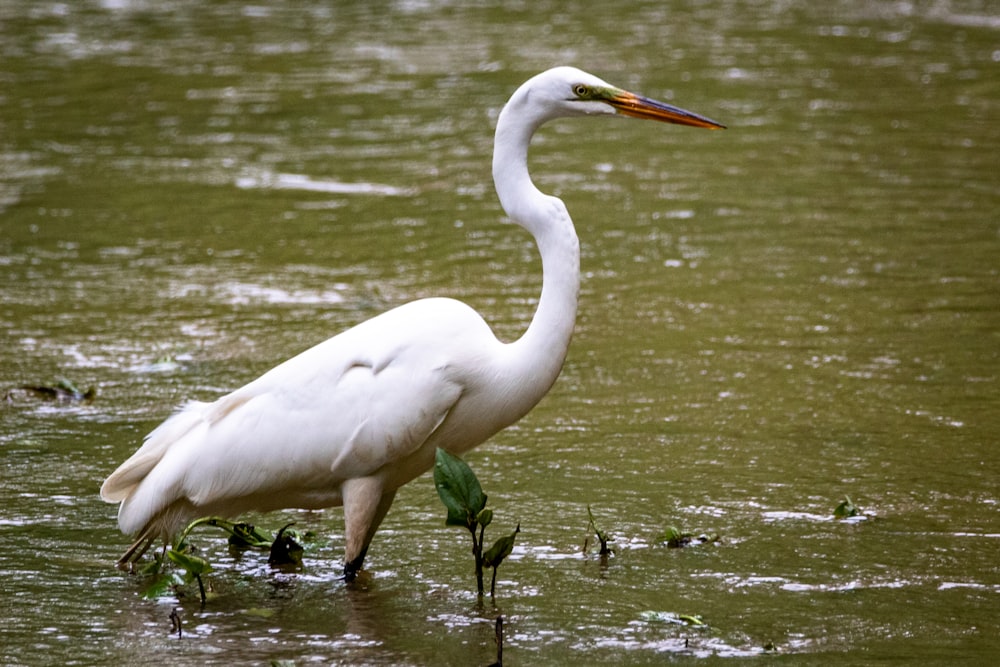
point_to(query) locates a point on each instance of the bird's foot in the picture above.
(354, 573)
(359, 580)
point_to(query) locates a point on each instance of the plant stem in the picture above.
(201, 589)
(499, 637)
(213, 520)
(477, 552)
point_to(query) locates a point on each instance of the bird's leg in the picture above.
(137, 549)
(365, 505)
(352, 567)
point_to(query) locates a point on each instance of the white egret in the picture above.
(352, 419)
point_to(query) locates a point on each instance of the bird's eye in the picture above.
(581, 90)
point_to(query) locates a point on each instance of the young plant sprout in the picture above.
(461, 493)
(602, 537)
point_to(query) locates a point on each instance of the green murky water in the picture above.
(803, 307)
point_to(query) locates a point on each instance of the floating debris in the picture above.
(672, 618)
(675, 539)
(848, 512)
(63, 391)
(846, 509)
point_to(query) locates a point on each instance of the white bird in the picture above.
(354, 418)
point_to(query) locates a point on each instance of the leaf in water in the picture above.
(68, 386)
(62, 390)
(285, 550)
(671, 617)
(162, 585)
(674, 538)
(458, 489)
(194, 565)
(691, 619)
(846, 509)
(247, 536)
(500, 549)
(152, 567)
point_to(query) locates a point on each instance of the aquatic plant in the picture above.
(602, 537)
(460, 491)
(675, 539)
(846, 509)
(284, 550)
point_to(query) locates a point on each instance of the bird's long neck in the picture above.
(537, 357)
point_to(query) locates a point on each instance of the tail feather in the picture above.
(149, 503)
(122, 482)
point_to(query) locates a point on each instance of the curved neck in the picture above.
(537, 357)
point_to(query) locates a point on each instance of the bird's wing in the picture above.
(391, 412)
(318, 429)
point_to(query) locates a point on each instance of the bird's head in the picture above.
(567, 91)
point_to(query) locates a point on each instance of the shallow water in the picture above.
(802, 307)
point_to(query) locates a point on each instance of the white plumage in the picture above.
(352, 419)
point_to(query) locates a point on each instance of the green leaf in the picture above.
(458, 489)
(247, 536)
(161, 585)
(500, 549)
(675, 538)
(845, 509)
(67, 386)
(151, 568)
(691, 619)
(485, 517)
(671, 533)
(194, 565)
(671, 617)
